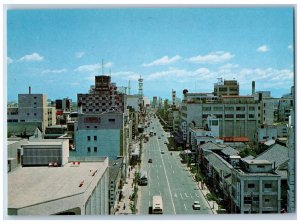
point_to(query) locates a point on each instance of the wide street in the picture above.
(168, 177)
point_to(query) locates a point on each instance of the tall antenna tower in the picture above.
(140, 92)
(128, 87)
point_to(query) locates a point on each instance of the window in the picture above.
(240, 115)
(111, 120)
(229, 116)
(206, 108)
(27, 114)
(219, 115)
(204, 115)
(261, 166)
(88, 149)
(251, 115)
(95, 149)
(88, 138)
(96, 127)
(252, 108)
(268, 185)
(251, 185)
(267, 199)
(34, 114)
(214, 123)
(95, 138)
(229, 108)
(87, 127)
(240, 108)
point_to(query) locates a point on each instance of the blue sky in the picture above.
(58, 52)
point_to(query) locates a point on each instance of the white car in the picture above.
(196, 205)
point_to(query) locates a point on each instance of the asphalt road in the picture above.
(168, 177)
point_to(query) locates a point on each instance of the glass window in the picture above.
(88, 138)
(95, 149)
(95, 138)
(88, 149)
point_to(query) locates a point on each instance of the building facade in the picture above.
(99, 135)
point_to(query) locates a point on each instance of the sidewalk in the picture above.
(127, 192)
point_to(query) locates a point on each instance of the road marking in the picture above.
(157, 177)
(184, 206)
(198, 196)
(175, 195)
(181, 195)
(173, 171)
(167, 180)
(186, 195)
(191, 195)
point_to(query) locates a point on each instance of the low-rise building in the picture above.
(44, 152)
(255, 188)
(14, 152)
(78, 188)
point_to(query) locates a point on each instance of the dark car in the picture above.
(149, 160)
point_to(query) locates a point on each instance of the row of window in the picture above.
(230, 108)
(230, 115)
(265, 185)
(89, 138)
(89, 149)
(97, 109)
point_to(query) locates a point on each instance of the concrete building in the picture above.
(100, 135)
(255, 188)
(44, 152)
(226, 88)
(284, 108)
(133, 102)
(291, 177)
(154, 102)
(14, 152)
(78, 188)
(103, 97)
(237, 116)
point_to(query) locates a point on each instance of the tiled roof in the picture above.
(219, 164)
(276, 153)
(229, 151)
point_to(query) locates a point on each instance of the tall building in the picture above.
(33, 108)
(99, 135)
(103, 97)
(226, 88)
(291, 194)
(173, 97)
(154, 102)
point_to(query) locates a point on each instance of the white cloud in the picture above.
(212, 58)
(126, 75)
(55, 71)
(9, 60)
(31, 57)
(229, 66)
(163, 61)
(79, 54)
(263, 48)
(93, 68)
(89, 68)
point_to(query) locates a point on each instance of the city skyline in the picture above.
(59, 52)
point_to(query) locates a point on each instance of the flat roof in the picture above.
(257, 161)
(32, 185)
(42, 143)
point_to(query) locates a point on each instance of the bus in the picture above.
(157, 205)
(143, 178)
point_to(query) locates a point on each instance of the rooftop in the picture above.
(277, 154)
(32, 185)
(257, 161)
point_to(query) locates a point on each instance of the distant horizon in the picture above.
(58, 52)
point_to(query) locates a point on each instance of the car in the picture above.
(196, 205)
(165, 143)
(162, 152)
(158, 137)
(149, 160)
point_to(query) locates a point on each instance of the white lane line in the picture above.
(157, 177)
(167, 180)
(186, 195)
(191, 195)
(181, 195)
(184, 206)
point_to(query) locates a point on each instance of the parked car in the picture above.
(196, 205)
(162, 152)
(149, 160)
